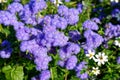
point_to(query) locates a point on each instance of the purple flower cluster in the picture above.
(74, 35)
(79, 68)
(116, 13)
(6, 51)
(91, 24)
(7, 18)
(93, 40)
(118, 60)
(15, 7)
(45, 75)
(71, 15)
(67, 55)
(39, 34)
(111, 31)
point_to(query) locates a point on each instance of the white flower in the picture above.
(117, 43)
(114, 1)
(96, 71)
(101, 58)
(57, 2)
(90, 54)
(3, 1)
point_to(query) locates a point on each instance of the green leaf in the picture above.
(7, 71)
(74, 78)
(15, 73)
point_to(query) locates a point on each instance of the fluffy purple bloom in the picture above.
(96, 20)
(7, 18)
(78, 69)
(68, 50)
(18, 25)
(74, 35)
(80, 7)
(73, 48)
(32, 47)
(63, 53)
(62, 24)
(84, 76)
(47, 20)
(93, 40)
(27, 16)
(52, 37)
(74, 11)
(15, 7)
(39, 53)
(26, 12)
(114, 12)
(45, 75)
(17, 0)
(7, 50)
(6, 53)
(111, 31)
(5, 43)
(37, 6)
(71, 62)
(33, 78)
(42, 62)
(118, 60)
(67, 0)
(88, 24)
(72, 16)
(63, 10)
(80, 66)
(61, 63)
(23, 34)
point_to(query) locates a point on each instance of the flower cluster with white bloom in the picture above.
(57, 2)
(100, 58)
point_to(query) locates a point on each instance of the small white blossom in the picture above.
(57, 2)
(101, 58)
(117, 43)
(114, 1)
(90, 54)
(96, 71)
(3, 1)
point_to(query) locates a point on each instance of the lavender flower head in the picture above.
(74, 35)
(45, 75)
(96, 20)
(63, 10)
(71, 62)
(118, 60)
(80, 7)
(84, 76)
(88, 24)
(15, 7)
(93, 40)
(7, 50)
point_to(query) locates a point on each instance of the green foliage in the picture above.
(13, 73)
(9, 69)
